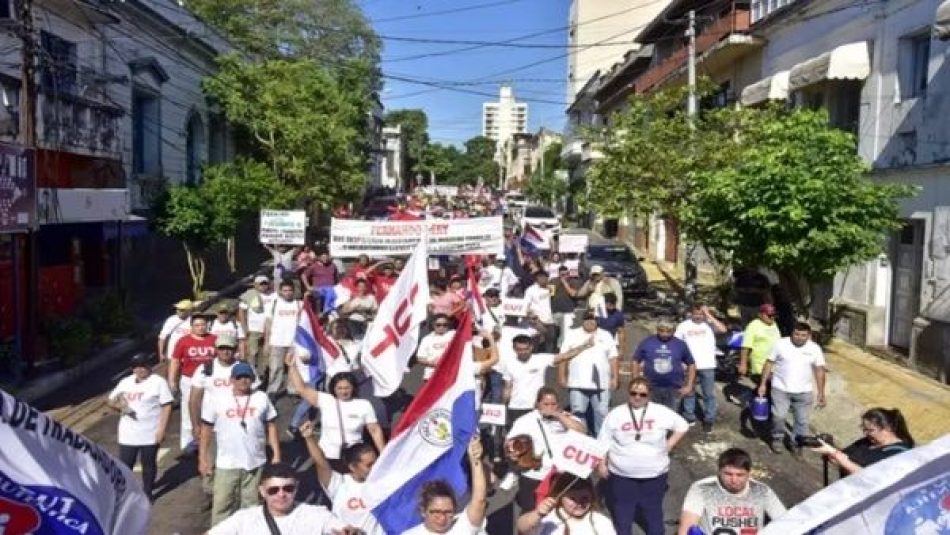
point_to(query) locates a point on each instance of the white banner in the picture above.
(393, 336)
(56, 482)
(579, 454)
(907, 494)
(353, 237)
(572, 243)
(514, 306)
(494, 414)
(283, 227)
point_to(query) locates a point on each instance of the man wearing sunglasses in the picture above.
(281, 513)
(240, 423)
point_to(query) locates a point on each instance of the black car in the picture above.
(620, 263)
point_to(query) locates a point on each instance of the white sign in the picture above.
(56, 481)
(579, 454)
(573, 267)
(514, 306)
(906, 493)
(572, 243)
(353, 237)
(283, 227)
(494, 414)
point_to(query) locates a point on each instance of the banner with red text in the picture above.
(478, 235)
(579, 454)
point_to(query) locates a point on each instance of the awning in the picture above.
(773, 87)
(846, 62)
(942, 21)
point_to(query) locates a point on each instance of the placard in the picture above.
(514, 306)
(572, 243)
(494, 414)
(477, 235)
(283, 227)
(579, 454)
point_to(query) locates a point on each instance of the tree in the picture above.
(796, 198)
(547, 188)
(310, 125)
(208, 214)
(478, 161)
(415, 129)
(439, 160)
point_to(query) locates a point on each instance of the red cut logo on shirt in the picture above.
(17, 518)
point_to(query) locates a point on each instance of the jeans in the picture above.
(495, 387)
(233, 489)
(277, 379)
(148, 455)
(625, 495)
(801, 407)
(705, 383)
(590, 406)
(666, 395)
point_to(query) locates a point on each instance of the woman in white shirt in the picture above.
(360, 309)
(439, 503)
(145, 402)
(641, 435)
(569, 509)
(343, 417)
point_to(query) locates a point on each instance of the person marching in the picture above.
(175, 327)
(213, 378)
(190, 353)
(280, 327)
(570, 508)
(641, 434)
(438, 502)
(252, 314)
(226, 323)
(145, 402)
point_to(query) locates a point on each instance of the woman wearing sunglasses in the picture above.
(439, 503)
(281, 514)
(569, 509)
(641, 435)
(885, 435)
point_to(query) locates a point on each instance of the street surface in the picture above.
(182, 507)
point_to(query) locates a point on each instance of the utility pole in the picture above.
(691, 112)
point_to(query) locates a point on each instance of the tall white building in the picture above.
(502, 119)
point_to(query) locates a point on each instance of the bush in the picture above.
(108, 313)
(70, 339)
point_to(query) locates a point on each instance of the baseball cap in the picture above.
(141, 359)
(767, 308)
(596, 269)
(225, 340)
(242, 369)
(184, 304)
(261, 278)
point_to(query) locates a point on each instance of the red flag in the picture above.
(544, 488)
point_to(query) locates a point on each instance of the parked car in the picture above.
(620, 263)
(541, 218)
(515, 203)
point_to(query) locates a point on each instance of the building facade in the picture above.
(503, 119)
(393, 169)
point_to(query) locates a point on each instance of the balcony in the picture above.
(717, 35)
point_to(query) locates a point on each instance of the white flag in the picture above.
(394, 334)
(56, 481)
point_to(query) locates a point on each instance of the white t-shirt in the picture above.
(462, 526)
(526, 378)
(554, 269)
(174, 328)
(539, 302)
(594, 523)
(793, 367)
(346, 494)
(493, 318)
(257, 310)
(305, 519)
(701, 341)
(231, 327)
(431, 348)
(146, 398)
(581, 369)
(554, 431)
(647, 457)
(356, 414)
(239, 447)
(350, 350)
(219, 382)
(283, 317)
(365, 302)
(508, 281)
(489, 277)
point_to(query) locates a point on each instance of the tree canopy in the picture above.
(415, 130)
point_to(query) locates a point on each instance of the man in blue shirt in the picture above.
(667, 363)
(614, 321)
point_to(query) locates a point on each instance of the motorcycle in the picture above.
(728, 347)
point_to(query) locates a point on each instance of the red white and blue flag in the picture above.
(311, 337)
(475, 295)
(430, 441)
(533, 240)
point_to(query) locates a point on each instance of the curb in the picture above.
(45, 385)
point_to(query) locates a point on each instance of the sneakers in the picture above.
(692, 423)
(508, 482)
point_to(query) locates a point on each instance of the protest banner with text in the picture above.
(352, 237)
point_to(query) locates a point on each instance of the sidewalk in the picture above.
(857, 381)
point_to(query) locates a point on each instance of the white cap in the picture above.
(261, 278)
(596, 269)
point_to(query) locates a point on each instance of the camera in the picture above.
(815, 441)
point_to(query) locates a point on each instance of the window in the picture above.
(218, 140)
(844, 104)
(763, 8)
(913, 58)
(58, 64)
(6, 9)
(146, 134)
(194, 148)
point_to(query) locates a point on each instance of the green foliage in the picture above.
(440, 160)
(310, 125)
(551, 186)
(415, 130)
(795, 198)
(108, 313)
(70, 339)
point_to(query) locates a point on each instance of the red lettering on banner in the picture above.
(399, 325)
(355, 504)
(134, 396)
(241, 413)
(581, 457)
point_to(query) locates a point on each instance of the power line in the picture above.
(446, 11)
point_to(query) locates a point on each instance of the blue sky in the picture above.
(455, 116)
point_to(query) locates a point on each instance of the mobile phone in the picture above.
(811, 442)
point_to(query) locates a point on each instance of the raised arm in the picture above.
(302, 388)
(571, 353)
(477, 508)
(320, 462)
